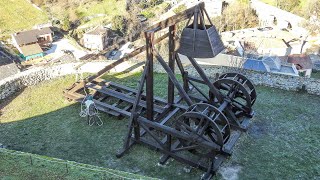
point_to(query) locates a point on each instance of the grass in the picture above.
(108, 7)
(315, 74)
(17, 15)
(270, 2)
(281, 143)
(32, 166)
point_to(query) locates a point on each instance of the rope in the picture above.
(90, 110)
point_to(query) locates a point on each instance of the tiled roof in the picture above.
(256, 65)
(26, 37)
(99, 31)
(301, 61)
(31, 49)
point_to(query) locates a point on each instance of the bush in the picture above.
(66, 24)
(148, 14)
(119, 24)
(180, 8)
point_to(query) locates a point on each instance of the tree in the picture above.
(312, 14)
(288, 5)
(66, 24)
(312, 9)
(119, 24)
(238, 15)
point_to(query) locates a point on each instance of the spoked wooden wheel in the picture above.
(237, 89)
(203, 122)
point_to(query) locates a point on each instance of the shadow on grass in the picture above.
(64, 134)
(8, 100)
(282, 141)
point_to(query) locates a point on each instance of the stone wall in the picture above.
(33, 76)
(280, 81)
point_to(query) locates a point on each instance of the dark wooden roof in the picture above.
(26, 37)
(302, 60)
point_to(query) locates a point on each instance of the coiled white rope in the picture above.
(90, 110)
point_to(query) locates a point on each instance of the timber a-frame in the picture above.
(192, 126)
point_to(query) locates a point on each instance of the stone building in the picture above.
(98, 38)
(30, 43)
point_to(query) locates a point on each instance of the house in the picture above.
(30, 43)
(302, 62)
(270, 64)
(98, 38)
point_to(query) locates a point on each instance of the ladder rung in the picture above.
(222, 130)
(235, 76)
(244, 82)
(205, 110)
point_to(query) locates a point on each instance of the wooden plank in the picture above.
(123, 59)
(105, 107)
(121, 96)
(172, 45)
(234, 136)
(157, 99)
(149, 75)
(174, 19)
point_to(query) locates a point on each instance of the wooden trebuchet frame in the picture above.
(194, 127)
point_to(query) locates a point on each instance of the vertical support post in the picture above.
(169, 142)
(183, 73)
(172, 45)
(149, 75)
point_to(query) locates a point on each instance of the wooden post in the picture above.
(149, 76)
(172, 34)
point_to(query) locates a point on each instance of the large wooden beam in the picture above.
(80, 85)
(175, 19)
(123, 59)
(172, 45)
(149, 75)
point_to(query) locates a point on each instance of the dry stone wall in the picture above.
(280, 81)
(33, 76)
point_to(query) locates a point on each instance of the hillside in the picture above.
(17, 15)
(85, 10)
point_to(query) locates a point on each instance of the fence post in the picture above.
(67, 167)
(31, 160)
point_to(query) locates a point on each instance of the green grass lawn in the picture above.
(16, 15)
(315, 75)
(108, 7)
(281, 143)
(20, 165)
